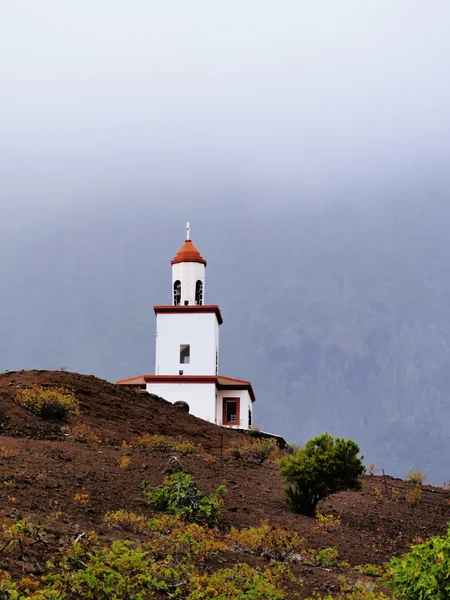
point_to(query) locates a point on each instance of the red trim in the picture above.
(238, 412)
(190, 308)
(221, 383)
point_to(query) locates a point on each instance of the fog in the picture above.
(306, 142)
(101, 96)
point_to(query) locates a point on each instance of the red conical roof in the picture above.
(188, 253)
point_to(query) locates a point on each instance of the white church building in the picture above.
(187, 350)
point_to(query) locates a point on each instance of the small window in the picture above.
(199, 292)
(185, 354)
(249, 417)
(177, 293)
(231, 411)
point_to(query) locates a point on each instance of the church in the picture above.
(187, 350)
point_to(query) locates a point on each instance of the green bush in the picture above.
(327, 557)
(238, 583)
(180, 496)
(49, 403)
(325, 465)
(121, 572)
(424, 572)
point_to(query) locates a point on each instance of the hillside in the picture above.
(42, 469)
(337, 311)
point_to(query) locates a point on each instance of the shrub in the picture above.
(127, 520)
(254, 450)
(414, 496)
(49, 403)
(376, 493)
(180, 496)
(423, 572)
(276, 544)
(327, 557)
(370, 570)
(166, 443)
(20, 533)
(122, 572)
(82, 498)
(395, 494)
(353, 592)
(417, 477)
(8, 452)
(172, 536)
(327, 523)
(169, 535)
(238, 583)
(124, 462)
(325, 465)
(84, 433)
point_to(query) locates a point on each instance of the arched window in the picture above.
(199, 292)
(177, 293)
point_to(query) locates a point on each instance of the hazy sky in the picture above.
(101, 95)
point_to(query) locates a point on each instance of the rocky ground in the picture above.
(42, 469)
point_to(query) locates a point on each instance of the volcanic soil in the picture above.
(42, 469)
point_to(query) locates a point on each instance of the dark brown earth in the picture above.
(48, 469)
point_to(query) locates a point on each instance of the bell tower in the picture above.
(187, 332)
(188, 274)
(187, 350)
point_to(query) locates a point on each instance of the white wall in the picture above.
(188, 273)
(245, 403)
(201, 397)
(199, 330)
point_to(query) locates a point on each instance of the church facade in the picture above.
(187, 350)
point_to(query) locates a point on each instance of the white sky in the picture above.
(281, 91)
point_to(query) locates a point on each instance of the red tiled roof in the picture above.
(221, 382)
(188, 253)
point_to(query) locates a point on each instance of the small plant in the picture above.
(417, 477)
(327, 557)
(396, 494)
(353, 591)
(275, 544)
(8, 452)
(180, 496)
(21, 533)
(128, 521)
(124, 462)
(376, 493)
(238, 583)
(84, 433)
(82, 498)
(169, 535)
(254, 450)
(49, 403)
(326, 523)
(370, 570)
(121, 571)
(166, 443)
(414, 496)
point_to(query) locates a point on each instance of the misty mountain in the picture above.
(339, 313)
